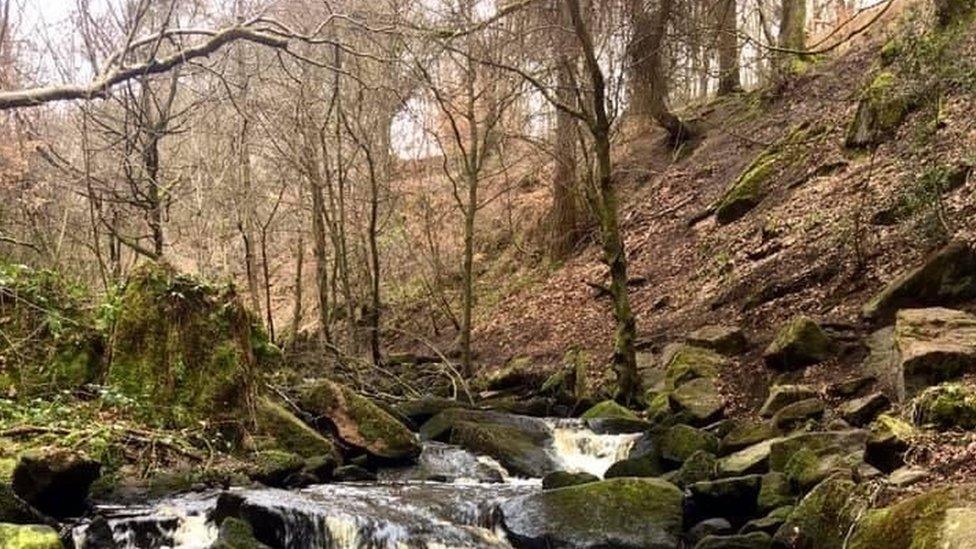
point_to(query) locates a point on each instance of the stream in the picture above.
(402, 509)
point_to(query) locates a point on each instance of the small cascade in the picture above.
(176, 522)
(577, 449)
(447, 463)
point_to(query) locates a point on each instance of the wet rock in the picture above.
(644, 466)
(623, 513)
(358, 422)
(519, 451)
(799, 344)
(753, 540)
(617, 426)
(290, 433)
(754, 459)
(98, 535)
(683, 363)
(774, 492)
(321, 467)
(274, 467)
(946, 277)
(700, 399)
(840, 442)
(709, 527)
(353, 473)
(823, 517)
(55, 481)
(747, 433)
(904, 477)
(234, 533)
(609, 409)
(889, 440)
(932, 345)
(947, 406)
(863, 410)
(679, 442)
(15, 536)
(726, 340)
(781, 395)
(732, 498)
(943, 517)
(562, 479)
(792, 415)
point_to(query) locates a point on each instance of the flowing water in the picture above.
(403, 509)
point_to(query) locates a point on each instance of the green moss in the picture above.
(235, 533)
(289, 432)
(775, 492)
(608, 409)
(748, 190)
(946, 406)
(918, 522)
(798, 344)
(679, 442)
(13, 536)
(687, 362)
(658, 406)
(824, 517)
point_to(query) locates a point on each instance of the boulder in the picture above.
(748, 190)
(799, 344)
(906, 476)
(680, 441)
(726, 340)
(234, 533)
(943, 517)
(518, 372)
(947, 406)
(732, 498)
(747, 433)
(754, 459)
(700, 399)
(644, 466)
(699, 467)
(519, 443)
(290, 433)
(946, 277)
(890, 438)
(839, 442)
(806, 467)
(358, 422)
(781, 395)
(353, 473)
(795, 414)
(863, 410)
(709, 527)
(752, 540)
(274, 467)
(932, 346)
(823, 517)
(883, 107)
(623, 513)
(683, 362)
(774, 492)
(562, 479)
(770, 523)
(418, 411)
(55, 481)
(609, 409)
(850, 387)
(15, 536)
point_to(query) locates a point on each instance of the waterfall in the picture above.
(449, 498)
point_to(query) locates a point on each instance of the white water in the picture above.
(402, 510)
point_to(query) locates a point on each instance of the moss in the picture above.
(643, 466)
(608, 409)
(687, 362)
(748, 190)
(235, 533)
(289, 432)
(824, 517)
(946, 406)
(798, 344)
(14, 536)
(658, 406)
(881, 111)
(700, 399)
(918, 522)
(518, 453)
(273, 467)
(775, 492)
(746, 433)
(700, 466)
(562, 479)
(679, 442)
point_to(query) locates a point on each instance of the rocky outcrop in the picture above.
(624, 513)
(799, 344)
(946, 277)
(933, 345)
(357, 421)
(881, 111)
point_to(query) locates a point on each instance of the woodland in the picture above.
(487, 273)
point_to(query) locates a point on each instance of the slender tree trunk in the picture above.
(321, 258)
(374, 259)
(792, 32)
(728, 48)
(296, 312)
(266, 271)
(565, 197)
(155, 197)
(467, 300)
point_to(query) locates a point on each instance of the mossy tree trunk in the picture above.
(728, 48)
(792, 33)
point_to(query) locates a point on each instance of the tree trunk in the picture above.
(792, 32)
(650, 88)
(296, 312)
(565, 215)
(728, 48)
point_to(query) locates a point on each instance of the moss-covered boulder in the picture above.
(57, 346)
(823, 517)
(861, 411)
(562, 479)
(807, 467)
(782, 395)
(274, 467)
(774, 492)
(15, 536)
(883, 107)
(945, 277)
(944, 518)
(797, 413)
(890, 437)
(700, 399)
(799, 344)
(55, 481)
(946, 406)
(745, 433)
(933, 345)
(235, 533)
(684, 363)
(624, 513)
(288, 432)
(732, 498)
(725, 340)
(680, 441)
(638, 466)
(184, 350)
(418, 411)
(519, 443)
(518, 372)
(700, 466)
(754, 459)
(818, 442)
(770, 523)
(357, 421)
(748, 190)
(609, 409)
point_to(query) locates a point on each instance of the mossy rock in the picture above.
(519, 454)
(658, 406)
(725, 340)
(783, 395)
(746, 433)
(839, 442)
(944, 517)
(700, 399)
(420, 410)
(933, 345)
(235, 533)
(609, 409)
(289, 432)
(679, 442)
(824, 517)
(641, 466)
(806, 467)
(358, 422)
(748, 190)
(882, 109)
(774, 492)
(699, 467)
(185, 351)
(518, 372)
(863, 410)
(799, 344)
(627, 513)
(793, 415)
(274, 467)
(562, 479)
(754, 459)
(684, 363)
(946, 406)
(15, 536)
(770, 523)
(944, 277)
(732, 498)
(889, 440)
